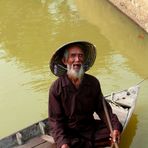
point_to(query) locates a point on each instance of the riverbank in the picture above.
(137, 10)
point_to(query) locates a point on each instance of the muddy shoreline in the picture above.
(137, 10)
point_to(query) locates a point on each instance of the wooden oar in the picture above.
(109, 123)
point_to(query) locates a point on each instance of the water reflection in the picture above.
(126, 142)
(124, 36)
(34, 32)
(31, 34)
(2, 51)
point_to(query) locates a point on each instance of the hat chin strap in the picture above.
(62, 67)
(59, 69)
(85, 66)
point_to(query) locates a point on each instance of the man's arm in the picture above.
(116, 125)
(57, 119)
(115, 134)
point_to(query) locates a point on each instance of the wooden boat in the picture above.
(122, 103)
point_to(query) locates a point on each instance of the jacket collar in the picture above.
(67, 82)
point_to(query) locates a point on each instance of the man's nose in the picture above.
(77, 58)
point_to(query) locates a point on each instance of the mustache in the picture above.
(75, 74)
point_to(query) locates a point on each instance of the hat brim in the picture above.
(58, 68)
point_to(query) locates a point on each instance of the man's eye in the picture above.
(80, 55)
(73, 55)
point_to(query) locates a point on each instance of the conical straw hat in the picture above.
(58, 68)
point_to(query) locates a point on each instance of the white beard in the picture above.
(75, 74)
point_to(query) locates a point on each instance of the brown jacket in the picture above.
(71, 110)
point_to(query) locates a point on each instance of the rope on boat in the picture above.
(112, 100)
(142, 81)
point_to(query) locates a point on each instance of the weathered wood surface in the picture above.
(37, 142)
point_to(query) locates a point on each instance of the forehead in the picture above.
(75, 49)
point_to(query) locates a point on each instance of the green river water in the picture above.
(31, 31)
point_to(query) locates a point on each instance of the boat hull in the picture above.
(122, 103)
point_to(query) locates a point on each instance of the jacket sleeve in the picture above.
(101, 113)
(57, 117)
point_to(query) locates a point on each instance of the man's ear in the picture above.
(64, 61)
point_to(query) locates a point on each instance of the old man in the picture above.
(73, 99)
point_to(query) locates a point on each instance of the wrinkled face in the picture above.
(74, 61)
(75, 58)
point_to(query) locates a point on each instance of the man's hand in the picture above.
(115, 136)
(65, 146)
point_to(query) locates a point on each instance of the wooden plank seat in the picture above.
(44, 141)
